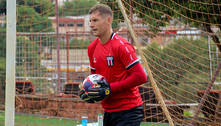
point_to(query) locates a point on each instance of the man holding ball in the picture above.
(114, 58)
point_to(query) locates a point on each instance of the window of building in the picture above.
(80, 25)
(61, 25)
(70, 25)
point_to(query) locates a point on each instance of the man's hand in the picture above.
(84, 96)
(100, 92)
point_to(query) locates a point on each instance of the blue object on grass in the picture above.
(84, 120)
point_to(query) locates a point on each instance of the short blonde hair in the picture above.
(102, 9)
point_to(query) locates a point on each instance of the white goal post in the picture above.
(10, 63)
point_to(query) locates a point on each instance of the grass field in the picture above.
(30, 120)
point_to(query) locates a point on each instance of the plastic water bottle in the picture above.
(99, 120)
(84, 120)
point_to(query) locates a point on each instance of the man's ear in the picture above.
(109, 19)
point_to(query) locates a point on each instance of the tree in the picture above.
(76, 7)
(2, 61)
(44, 7)
(2, 78)
(3, 41)
(2, 52)
(40, 6)
(175, 66)
(33, 15)
(31, 21)
(157, 13)
(2, 6)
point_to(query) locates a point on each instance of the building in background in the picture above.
(71, 23)
(60, 2)
(77, 25)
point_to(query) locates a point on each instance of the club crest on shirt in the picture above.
(110, 60)
(94, 60)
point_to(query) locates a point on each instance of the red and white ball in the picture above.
(91, 81)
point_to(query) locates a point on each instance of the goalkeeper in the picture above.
(115, 58)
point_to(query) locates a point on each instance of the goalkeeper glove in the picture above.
(84, 96)
(100, 92)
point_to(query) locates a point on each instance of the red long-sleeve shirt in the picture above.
(116, 60)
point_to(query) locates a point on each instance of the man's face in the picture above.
(99, 24)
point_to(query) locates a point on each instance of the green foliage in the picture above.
(118, 17)
(79, 44)
(200, 13)
(157, 13)
(33, 15)
(28, 50)
(31, 21)
(74, 44)
(2, 64)
(2, 56)
(76, 7)
(44, 7)
(2, 71)
(2, 6)
(20, 70)
(187, 113)
(179, 63)
(2, 41)
(28, 57)
(175, 60)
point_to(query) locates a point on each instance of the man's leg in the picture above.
(107, 119)
(132, 117)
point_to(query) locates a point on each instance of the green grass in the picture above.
(153, 124)
(31, 120)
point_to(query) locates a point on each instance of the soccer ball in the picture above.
(91, 81)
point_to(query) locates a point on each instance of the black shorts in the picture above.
(131, 117)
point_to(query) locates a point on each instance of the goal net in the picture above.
(177, 41)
